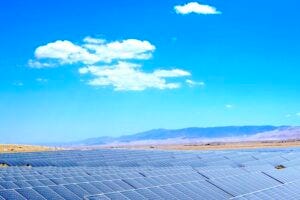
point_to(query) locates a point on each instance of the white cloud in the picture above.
(192, 83)
(171, 73)
(65, 52)
(195, 7)
(122, 50)
(109, 63)
(229, 106)
(41, 80)
(128, 76)
(89, 39)
(92, 51)
(38, 64)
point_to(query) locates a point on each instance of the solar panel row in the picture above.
(141, 174)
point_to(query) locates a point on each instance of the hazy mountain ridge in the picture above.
(287, 133)
(205, 134)
(195, 132)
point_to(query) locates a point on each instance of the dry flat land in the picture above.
(218, 145)
(14, 148)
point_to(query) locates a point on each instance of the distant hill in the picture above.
(286, 133)
(226, 133)
(195, 132)
(95, 141)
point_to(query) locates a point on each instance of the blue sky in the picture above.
(71, 70)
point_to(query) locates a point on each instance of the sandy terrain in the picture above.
(218, 146)
(13, 148)
(5, 148)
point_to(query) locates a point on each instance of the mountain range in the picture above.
(200, 134)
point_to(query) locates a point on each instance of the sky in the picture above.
(71, 70)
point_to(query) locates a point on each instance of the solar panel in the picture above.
(29, 193)
(22, 184)
(243, 184)
(202, 191)
(141, 174)
(35, 183)
(46, 182)
(284, 175)
(116, 196)
(162, 193)
(112, 186)
(77, 190)
(134, 183)
(148, 194)
(179, 194)
(64, 192)
(131, 194)
(218, 173)
(97, 197)
(80, 179)
(92, 190)
(58, 181)
(11, 194)
(8, 179)
(103, 188)
(285, 191)
(122, 185)
(48, 193)
(8, 185)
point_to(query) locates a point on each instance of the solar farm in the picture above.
(151, 174)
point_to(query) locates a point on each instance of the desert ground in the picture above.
(217, 145)
(14, 148)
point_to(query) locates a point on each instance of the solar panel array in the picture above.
(151, 174)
